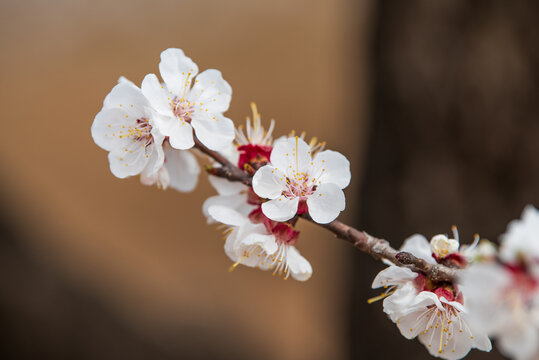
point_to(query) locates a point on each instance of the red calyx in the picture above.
(454, 260)
(254, 155)
(283, 231)
(302, 207)
(449, 291)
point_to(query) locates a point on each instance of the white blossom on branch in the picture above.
(295, 182)
(128, 128)
(266, 245)
(189, 102)
(434, 312)
(504, 297)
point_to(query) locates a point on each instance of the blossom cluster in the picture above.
(496, 294)
(153, 132)
(162, 129)
(434, 312)
(504, 290)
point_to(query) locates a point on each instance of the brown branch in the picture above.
(380, 249)
(377, 248)
(227, 169)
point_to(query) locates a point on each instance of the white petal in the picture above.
(483, 285)
(122, 79)
(280, 209)
(265, 241)
(393, 275)
(225, 186)
(128, 164)
(212, 91)
(162, 123)
(425, 299)
(160, 178)
(128, 97)
(520, 239)
(482, 342)
(298, 266)
(213, 130)
(237, 202)
(413, 323)
(331, 167)
(251, 239)
(231, 245)
(442, 246)
(291, 155)
(107, 126)
(396, 303)
(155, 161)
(418, 246)
(183, 169)
(157, 94)
(326, 203)
(227, 215)
(181, 136)
(519, 341)
(177, 70)
(269, 182)
(452, 347)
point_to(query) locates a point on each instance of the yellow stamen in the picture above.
(380, 297)
(297, 169)
(441, 337)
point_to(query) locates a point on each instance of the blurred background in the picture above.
(434, 102)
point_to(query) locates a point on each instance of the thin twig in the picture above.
(227, 169)
(377, 248)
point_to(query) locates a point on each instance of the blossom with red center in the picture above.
(253, 145)
(434, 312)
(254, 245)
(503, 297)
(253, 154)
(294, 176)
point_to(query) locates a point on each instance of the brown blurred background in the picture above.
(434, 102)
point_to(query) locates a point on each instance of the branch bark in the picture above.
(376, 248)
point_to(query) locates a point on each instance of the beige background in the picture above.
(147, 254)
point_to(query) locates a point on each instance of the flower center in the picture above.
(183, 109)
(140, 133)
(299, 187)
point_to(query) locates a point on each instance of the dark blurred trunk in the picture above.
(455, 136)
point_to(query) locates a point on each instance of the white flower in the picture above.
(504, 298)
(432, 312)
(180, 171)
(442, 246)
(295, 176)
(189, 102)
(254, 245)
(521, 241)
(128, 128)
(254, 145)
(440, 325)
(504, 302)
(233, 195)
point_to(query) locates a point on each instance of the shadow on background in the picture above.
(43, 317)
(455, 136)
